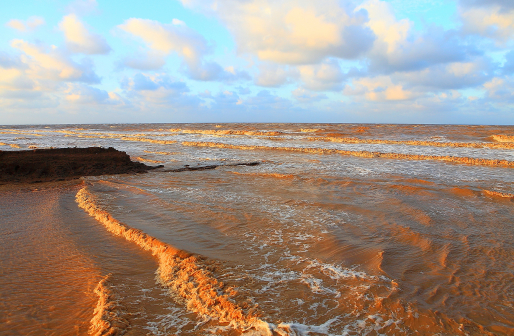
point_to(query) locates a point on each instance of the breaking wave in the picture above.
(184, 274)
(107, 316)
(505, 145)
(366, 154)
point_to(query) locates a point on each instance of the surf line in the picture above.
(107, 316)
(504, 145)
(182, 273)
(366, 154)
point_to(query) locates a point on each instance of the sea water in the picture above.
(341, 229)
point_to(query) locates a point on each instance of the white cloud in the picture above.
(53, 64)
(82, 94)
(292, 32)
(272, 75)
(456, 75)
(305, 96)
(145, 84)
(398, 47)
(31, 24)
(212, 71)
(322, 77)
(508, 66)
(500, 89)
(164, 39)
(150, 60)
(490, 21)
(381, 88)
(505, 5)
(39, 75)
(13, 81)
(79, 39)
(178, 22)
(169, 38)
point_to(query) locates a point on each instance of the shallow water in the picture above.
(302, 244)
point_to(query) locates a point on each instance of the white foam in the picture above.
(316, 286)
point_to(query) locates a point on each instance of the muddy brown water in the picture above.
(305, 243)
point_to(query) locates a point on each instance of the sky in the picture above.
(330, 61)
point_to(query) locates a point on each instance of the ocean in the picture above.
(292, 229)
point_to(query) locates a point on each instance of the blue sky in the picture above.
(389, 61)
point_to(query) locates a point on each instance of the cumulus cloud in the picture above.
(508, 66)
(53, 64)
(225, 99)
(504, 5)
(293, 32)
(326, 76)
(177, 37)
(39, 75)
(500, 89)
(31, 24)
(79, 39)
(493, 21)
(14, 80)
(243, 90)
(209, 71)
(158, 92)
(264, 100)
(168, 38)
(149, 60)
(273, 75)
(380, 89)
(456, 75)
(305, 96)
(8, 61)
(85, 94)
(399, 48)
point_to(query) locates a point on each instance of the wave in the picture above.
(366, 154)
(498, 194)
(505, 145)
(141, 139)
(500, 141)
(140, 159)
(186, 277)
(503, 138)
(227, 132)
(12, 145)
(276, 175)
(107, 316)
(161, 153)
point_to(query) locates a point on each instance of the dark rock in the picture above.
(43, 165)
(214, 166)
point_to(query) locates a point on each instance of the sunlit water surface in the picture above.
(316, 243)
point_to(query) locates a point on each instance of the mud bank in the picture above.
(44, 165)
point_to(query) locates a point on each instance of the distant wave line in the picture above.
(366, 154)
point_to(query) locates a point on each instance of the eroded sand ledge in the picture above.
(59, 164)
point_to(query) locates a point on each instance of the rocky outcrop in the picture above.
(43, 165)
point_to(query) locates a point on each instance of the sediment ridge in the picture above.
(366, 154)
(58, 164)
